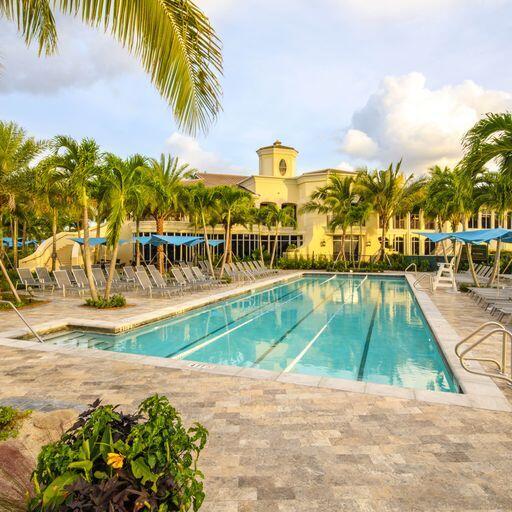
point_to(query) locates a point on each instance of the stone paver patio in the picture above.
(279, 446)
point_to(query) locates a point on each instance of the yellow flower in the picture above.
(116, 460)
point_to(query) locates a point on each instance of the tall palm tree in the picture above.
(389, 192)
(260, 216)
(173, 40)
(233, 205)
(337, 200)
(17, 152)
(281, 217)
(202, 202)
(164, 180)
(496, 194)
(124, 190)
(52, 191)
(80, 161)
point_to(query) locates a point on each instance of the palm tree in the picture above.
(173, 40)
(164, 180)
(124, 190)
(202, 202)
(489, 139)
(80, 162)
(17, 152)
(281, 217)
(260, 216)
(496, 194)
(337, 200)
(233, 205)
(389, 192)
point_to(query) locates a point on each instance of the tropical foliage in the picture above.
(173, 41)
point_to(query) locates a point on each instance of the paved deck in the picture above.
(278, 446)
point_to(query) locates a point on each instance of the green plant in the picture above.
(10, 421)
(114, 301)
(113, 461)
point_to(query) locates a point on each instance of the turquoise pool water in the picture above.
(337, 326)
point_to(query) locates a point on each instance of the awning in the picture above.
(96, 241)
(157, 240)
(476, 236)
(211, 243)
(435, 237)
(8, 242)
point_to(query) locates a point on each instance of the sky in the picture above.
(348, 83)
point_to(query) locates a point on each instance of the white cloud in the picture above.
(85, 56)
(404, 118)
(345, 166)
(190, 151)
(358, 144)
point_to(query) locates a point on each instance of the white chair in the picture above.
(445, 276)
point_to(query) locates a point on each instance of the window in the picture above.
(415, 220)
(399, 222)
(473, 221)
(398, 244)
(486, 220)
(430, 247)
(282, 167)
(291, 206)
(430, 224)
(415, 245)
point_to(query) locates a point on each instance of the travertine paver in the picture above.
(281, 446)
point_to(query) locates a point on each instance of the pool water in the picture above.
(351, 327)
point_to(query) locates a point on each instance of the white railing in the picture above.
(418, 283)
(23, 319)
(411, 265)
(506, 336)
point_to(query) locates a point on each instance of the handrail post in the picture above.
(23, 319)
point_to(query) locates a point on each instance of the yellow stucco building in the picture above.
(276, 182)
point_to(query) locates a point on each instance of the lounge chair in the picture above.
(99, 277)
(249, 275)
(45, 278)
(130, 275)
(81, 278)
(181, 279)
(65, 284)
(160, 282)
(194, 280)
(262, 266)
(205, 277)
(27, 279)
(117, 281)
(147, 285)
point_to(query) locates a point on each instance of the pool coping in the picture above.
(478, 391)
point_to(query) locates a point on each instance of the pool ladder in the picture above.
(23, 319)
(506, 340)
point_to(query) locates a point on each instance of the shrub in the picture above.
(114, 301)
(113, 461)
(10, 421)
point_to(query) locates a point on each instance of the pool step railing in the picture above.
(23, 319)
(411, 266)
(506, 345)
(418, 284)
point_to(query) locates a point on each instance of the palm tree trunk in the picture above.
(383, 241)
(54, 238)
(87, 249)
(137, 243)
(15, 241)
(206, 244)
(226, 245)
(9, 282)
(260, 243)
(160, 248)
(496, 268)
(112, 269)
(351, 244)
(23, 235)
(97, 249)
(274, 249)
(471, 265)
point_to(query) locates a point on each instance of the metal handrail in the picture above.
(501, 365)
(23, 319)
(420, 279)
(411, 265)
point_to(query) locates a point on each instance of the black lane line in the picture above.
(362, 364)
(230, 323)
(278, 341)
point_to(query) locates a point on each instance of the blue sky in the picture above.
(346, 82)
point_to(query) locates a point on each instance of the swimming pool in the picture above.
(344, 326)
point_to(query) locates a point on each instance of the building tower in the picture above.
(277, 160)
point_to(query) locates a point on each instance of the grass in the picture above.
(10, 421)
(26, 301)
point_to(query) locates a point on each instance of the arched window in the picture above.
(291, 206)
(282, 167)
